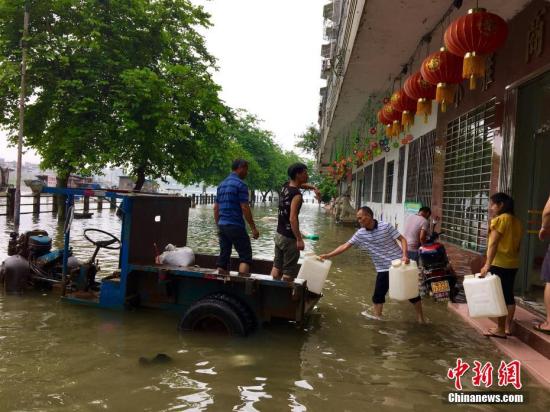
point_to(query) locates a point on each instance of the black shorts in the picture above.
(382, 286)
(233, 235)
(507, 277)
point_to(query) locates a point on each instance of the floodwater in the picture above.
(59, 357)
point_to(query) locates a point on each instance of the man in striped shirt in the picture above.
(379, 239)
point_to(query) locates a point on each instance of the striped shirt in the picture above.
(380, 243)
(231, 193)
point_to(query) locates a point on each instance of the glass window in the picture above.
(467, 178)
(420, 169)
(389, 181)
(400, 173)
(378, 181)
(368, 184)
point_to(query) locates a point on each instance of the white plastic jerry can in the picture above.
(484, 296)
(403, 280)
(315, 272)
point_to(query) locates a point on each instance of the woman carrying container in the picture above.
(505, 233)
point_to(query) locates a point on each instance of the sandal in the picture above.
(539, 328)
(492, 334)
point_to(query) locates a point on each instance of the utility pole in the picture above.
(16, 218)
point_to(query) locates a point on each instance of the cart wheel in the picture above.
(212, 315)
(247, 317)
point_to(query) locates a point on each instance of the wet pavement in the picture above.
(59, 357)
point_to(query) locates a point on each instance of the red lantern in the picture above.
(395, 117)
(473, 37)
(444, 70)
(423, 92)
(385, 121)
(404, 104)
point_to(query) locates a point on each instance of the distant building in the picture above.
(128, 183)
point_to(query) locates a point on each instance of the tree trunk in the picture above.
(140, 172)
(264, 196)
(61, 182)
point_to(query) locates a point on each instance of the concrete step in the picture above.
(522, 328)
(530, 347)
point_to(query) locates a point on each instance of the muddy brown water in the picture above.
(58, 357)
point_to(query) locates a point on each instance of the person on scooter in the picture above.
(417, 228)
(544, 233)
(380, 240)
(503, 256)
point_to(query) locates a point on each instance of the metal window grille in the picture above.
(400, 173)
(420, 169)
(367, 186)
(378, 181)
(389, 181)
(468, 162)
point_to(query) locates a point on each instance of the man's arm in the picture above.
(339, 250)
(294, 222)
(247, 213)
(307, 186)
(545, 226)
(404, 247)
(423, 236)
(216, 212)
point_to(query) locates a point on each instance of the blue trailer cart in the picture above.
(203, 298)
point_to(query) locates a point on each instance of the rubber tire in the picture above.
(208, 308)
(242, 309)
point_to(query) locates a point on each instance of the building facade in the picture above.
(494, 138)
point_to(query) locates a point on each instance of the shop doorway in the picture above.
(531, 181)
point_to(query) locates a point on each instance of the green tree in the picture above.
(125, 83)
(308, 141)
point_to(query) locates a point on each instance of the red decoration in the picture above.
(473, 37)
(386, 100)
(404, 104)
(389, 113)
(444, 70)
(422, 91)
(373, 130)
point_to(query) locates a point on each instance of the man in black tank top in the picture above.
(288, 239)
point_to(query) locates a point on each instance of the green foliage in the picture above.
(309, 140)
(126, 83)
(326, 186)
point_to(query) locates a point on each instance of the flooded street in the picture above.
(59, 357)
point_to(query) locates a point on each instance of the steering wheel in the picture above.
(103, 243)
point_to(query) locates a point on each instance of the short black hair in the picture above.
(367, 210)
(425, 209)
(506, 201)
(296, 168)
(238, 163)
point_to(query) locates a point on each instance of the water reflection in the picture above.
(59, 357)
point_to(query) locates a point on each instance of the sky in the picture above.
(269, 62)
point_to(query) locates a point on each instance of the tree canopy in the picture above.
(122, 83)
(308, 141)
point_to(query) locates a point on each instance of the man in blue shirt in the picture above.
(231, 204)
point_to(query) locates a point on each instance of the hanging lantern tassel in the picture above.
(473, 68)
(389, 130)
(407, 120)
(424, 106)
(396, 128)
(445, 94)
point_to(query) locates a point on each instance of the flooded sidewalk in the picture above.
(60, 357)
